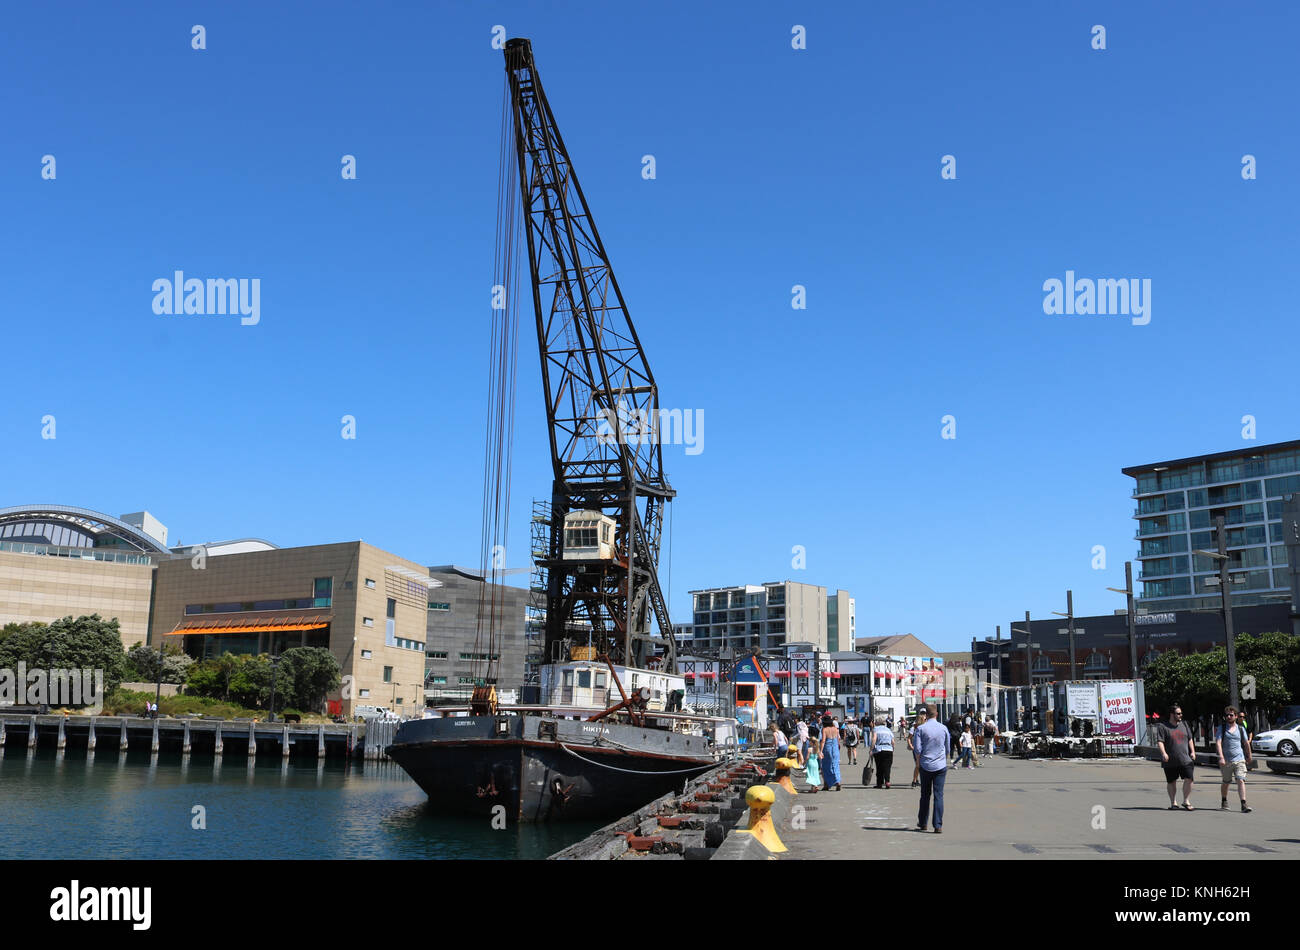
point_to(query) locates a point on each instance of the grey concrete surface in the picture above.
(1032, 809)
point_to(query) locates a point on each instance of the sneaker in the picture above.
(1246, 809)
(1224, 805)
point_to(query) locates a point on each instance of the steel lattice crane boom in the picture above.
(602, 406)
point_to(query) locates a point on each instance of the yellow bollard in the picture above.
(760, 799)
(783, 767)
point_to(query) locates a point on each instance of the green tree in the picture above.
(89, 642)
(306, 676)
(144, 662)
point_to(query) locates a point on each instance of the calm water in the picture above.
(69, 806)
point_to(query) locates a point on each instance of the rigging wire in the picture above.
(499, 439)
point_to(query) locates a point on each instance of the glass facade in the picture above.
(1176, 510)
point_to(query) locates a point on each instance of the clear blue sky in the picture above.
(775, 167)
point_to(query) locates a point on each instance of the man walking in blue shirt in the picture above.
(932, 743)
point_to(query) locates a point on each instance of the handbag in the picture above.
(867, 771)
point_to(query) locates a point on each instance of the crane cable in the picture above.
(499, 441)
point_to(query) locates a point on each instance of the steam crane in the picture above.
(576, 753)
(609, 491)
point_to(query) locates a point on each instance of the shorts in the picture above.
(1233, 771)
(1174, 772)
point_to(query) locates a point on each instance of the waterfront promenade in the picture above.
(1030, 809)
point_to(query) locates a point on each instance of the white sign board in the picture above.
(1081, 700)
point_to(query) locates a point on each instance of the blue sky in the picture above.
(775, 167)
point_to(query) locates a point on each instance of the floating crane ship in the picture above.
(607, 733)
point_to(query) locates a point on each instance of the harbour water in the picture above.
(69, 806)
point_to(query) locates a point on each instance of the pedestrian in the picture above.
(882, 751)
(921, 717)
(954, 732)
(778, 738)
(812, 775)
(830, 763)
(966, 743)
(1177, 756)
(975, 730)
(801, 731)
(1233, 745)
(990, 733)
(931, 741)
(852, 734)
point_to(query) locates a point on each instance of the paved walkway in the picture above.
(1036, 808)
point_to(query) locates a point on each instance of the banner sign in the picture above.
(1119, 708)
(1081, 700)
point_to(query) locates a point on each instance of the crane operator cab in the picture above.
(588, 535)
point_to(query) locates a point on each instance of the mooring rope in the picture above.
(615, 768)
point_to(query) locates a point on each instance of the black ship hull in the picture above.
(545, 769)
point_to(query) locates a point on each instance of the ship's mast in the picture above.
(602, 404)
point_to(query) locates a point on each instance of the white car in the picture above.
(1284, 740)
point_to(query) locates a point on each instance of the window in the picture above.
(365, 654)
(347, 585)
(322, 592)
(433, 605)
(370, 583)
(568, 678)
(365, 693)
(604, 532)
(392, 609)
(580, 538)
(367, 621)
(584, 679)
(388, 674)
(600, 681)
(439, 654)
(439, 680)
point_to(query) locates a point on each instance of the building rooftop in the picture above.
(1135, 470)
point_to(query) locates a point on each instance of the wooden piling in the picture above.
(284, 742)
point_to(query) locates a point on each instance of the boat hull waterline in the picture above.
(545, 769)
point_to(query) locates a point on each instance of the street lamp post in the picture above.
(48, 650)
(1029, 667)
(1069, 607)
(1132, 629)
(157, 696)
(275, 663)
(1225, 579)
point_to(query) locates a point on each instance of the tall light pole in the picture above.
(1029, 667)
(1132, 620)
(1069, 607)
(275, 662)
(1225, 580)
(1291, 532)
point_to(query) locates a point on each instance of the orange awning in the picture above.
(250, 625)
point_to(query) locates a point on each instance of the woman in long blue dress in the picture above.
(830, 754)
